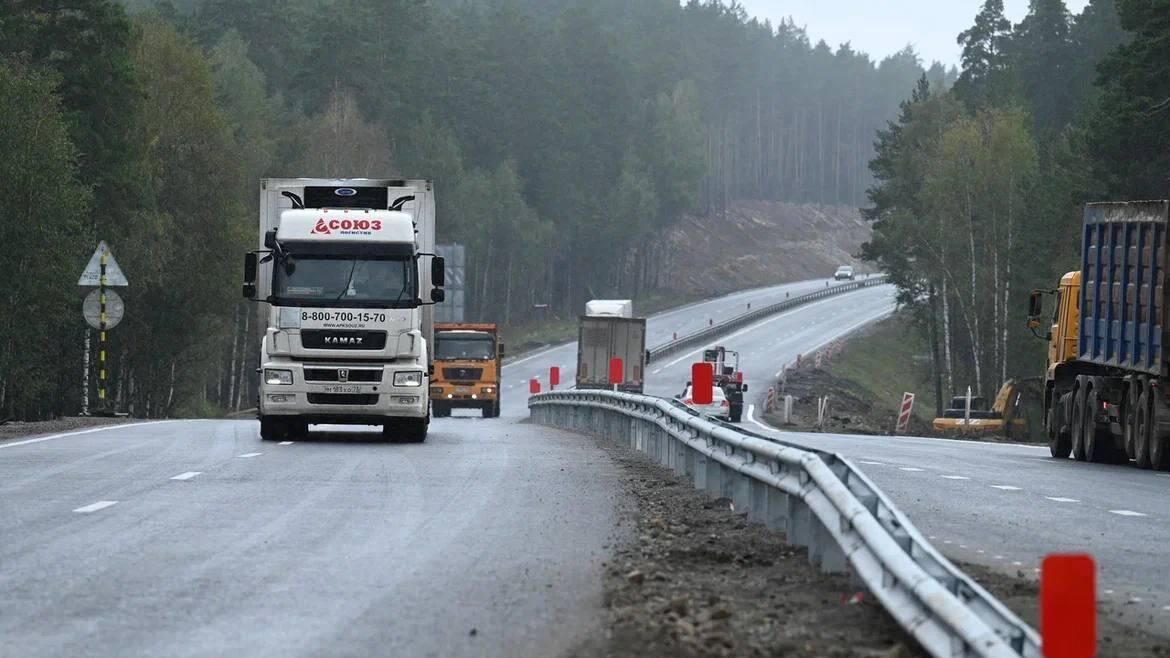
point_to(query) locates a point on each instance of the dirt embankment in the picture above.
(697, 579)
(758, 243)
(20, 430)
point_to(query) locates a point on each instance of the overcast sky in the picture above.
(882, 27)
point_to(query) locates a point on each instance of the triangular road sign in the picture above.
(93, 271)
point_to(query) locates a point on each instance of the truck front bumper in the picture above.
(335, 403)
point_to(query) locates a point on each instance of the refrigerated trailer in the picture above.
(341, 273)
(605, 337)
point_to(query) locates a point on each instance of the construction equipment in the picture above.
(968, 414)
(728, 377)
(1106, 396)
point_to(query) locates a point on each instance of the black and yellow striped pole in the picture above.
(102, 331)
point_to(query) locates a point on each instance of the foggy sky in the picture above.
(882, 27)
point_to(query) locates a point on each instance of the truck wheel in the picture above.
(1059, 441)
(1160, 452)
(1129, 425)
(272, 429)
(1145, 431)
(1098, 443)
(487, 409)
(414, 430)
(1077, 422)
(496, 409)
(737, 414)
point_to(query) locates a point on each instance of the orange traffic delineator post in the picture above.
(1068, 606)
(554, 377)
(534, 386)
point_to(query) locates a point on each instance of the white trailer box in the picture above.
(617, 308)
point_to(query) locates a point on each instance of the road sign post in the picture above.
(103, 310)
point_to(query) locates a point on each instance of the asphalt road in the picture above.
(195, 538)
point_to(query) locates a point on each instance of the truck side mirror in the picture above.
(745, 388)
(502, 350)
(1035, 304)
(270, 239)
(438, 272)
(250, 267)
(438, 295)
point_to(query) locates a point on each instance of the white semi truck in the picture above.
(341, 271)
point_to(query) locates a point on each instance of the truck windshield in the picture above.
(346, 281)
(478, 347)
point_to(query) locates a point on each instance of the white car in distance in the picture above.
(844, 272)
(719, 408)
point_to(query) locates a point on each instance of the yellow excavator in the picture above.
(1007, 417)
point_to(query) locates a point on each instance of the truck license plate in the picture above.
(343, 389)
(462, 390)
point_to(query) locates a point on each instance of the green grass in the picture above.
(887, 360)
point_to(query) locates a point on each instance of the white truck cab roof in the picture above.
(345, 225)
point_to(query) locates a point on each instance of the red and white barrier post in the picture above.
(1068, 606)
(904, 413)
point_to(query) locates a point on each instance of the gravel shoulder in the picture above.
(17, 430)
(694, 578)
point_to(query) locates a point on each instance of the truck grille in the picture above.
(334, 375)
(462, 374)
(338, 398)
(337, 339)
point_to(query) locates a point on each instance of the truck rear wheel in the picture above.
(1129, 421)
(1160, 452)
(1145, 431)
(1077, 423)
(1098, 442)
(1059, 440)
(414, 430)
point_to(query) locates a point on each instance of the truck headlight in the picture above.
(487, 389)
(277, 377)
(408, 379)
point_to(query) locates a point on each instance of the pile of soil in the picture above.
(758, 243)
(695, 578)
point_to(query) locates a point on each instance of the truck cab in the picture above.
(347, 337)
(468, 359)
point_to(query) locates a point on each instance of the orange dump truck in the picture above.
(467, 368)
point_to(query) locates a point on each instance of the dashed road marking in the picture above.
(910, 469)
(1125, 512)
(963, 546)
(285, 443)
(251, 454)
(980, 551)
(1166, 608)
(997, 557)
(188, 475)
(1005, 487)
(1058, 499)
(1135, 599)
(99, 505)
(873, 463)
(955, 477)
(946, 541)
(1109, 591)
(1017, 564)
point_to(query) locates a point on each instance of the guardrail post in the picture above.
(799, 522)
(741, 490)
(824, 551)
(776, 512)
(698, 468)
(758, 507)
(714, 478)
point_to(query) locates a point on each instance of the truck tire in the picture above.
(414, 430)
(1160, 452)
(273, 429)
(496, 409)
(1129, 421)
(1059, 440)
(1145, 431)
(1098, 442)
(1077, 422)
(736, 413)
(489, 409)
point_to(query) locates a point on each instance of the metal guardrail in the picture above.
(821, 502)
(743, 319)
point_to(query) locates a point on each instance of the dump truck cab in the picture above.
(468, 359)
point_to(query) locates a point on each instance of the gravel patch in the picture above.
(17, 430)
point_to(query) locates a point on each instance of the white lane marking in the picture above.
(997, 557)
(1136, 599)
(962, 546)
(99, 505)
(660, 370)
(979, 551)
(1058, 499)
(955, 477)
(1005, 487)
(91, 430)
(1125, 512)
(946, 541)
(1166, 608)
(784, 314)
(251, 454)
(188, 475)
(538, 354)
(285, 443)
(751, 415)
(1109, 591)
(909, 469)
(873, 463)
(1017, 564)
